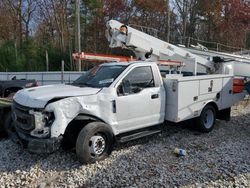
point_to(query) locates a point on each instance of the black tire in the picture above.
(207, 119)
(8, 125)
(101, 135)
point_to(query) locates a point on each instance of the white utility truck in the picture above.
(121, 101)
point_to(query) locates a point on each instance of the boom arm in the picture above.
(148, 47)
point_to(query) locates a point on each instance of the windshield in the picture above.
(100, 76)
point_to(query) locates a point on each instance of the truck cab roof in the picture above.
(127, 63)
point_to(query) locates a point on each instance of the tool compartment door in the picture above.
(210, 86)
(181, 99)
(189, 101)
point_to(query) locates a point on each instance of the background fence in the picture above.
(210, 45)
(44, 78)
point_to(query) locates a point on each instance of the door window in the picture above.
(137, 80)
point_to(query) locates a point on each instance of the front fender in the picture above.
(71, 108)
(65, 111)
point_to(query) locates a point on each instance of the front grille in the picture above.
(23, 120)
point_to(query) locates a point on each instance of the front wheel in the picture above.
(94, 142)
(207, 119)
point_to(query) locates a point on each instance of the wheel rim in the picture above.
(97, 145)
(208, 119)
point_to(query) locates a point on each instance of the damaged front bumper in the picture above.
(38, 145)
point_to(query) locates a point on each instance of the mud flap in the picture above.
(224, 114)
(247, 87)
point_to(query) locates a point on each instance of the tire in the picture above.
(8, 125)
(207, 119)
(94, 134)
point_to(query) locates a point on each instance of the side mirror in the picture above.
(124, 88)
(137, 90)
(120, 91)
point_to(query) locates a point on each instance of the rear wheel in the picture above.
(94, 142)
(207, 119)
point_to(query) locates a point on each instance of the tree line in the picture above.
(30, 30)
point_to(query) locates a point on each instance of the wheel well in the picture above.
(10, 90)
(214, 105)
(72, 131)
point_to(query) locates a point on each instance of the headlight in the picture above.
(49, 118)
(38, 118)
(42, 119)
(42, 122)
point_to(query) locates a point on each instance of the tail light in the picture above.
(238, 85)
(29, 85)
(32, 84)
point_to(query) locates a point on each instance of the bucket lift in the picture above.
(149, 48)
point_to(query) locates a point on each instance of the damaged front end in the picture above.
(33, 129)
(43, 121)
(41, 115)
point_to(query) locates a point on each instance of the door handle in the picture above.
(113, 106)
(154, 96)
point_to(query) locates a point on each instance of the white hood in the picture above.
(39, 96)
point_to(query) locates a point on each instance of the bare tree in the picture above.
(23, 11)
(27, 15)
(187, 11)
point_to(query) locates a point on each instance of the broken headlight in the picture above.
(49, 118)
(43, 121)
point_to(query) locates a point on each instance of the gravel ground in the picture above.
(217, 159)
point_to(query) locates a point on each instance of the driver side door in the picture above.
(138, 102)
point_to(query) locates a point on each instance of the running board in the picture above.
(137, 135)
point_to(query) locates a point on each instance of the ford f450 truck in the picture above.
(117, 102)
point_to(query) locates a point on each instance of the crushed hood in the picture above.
(38, 97)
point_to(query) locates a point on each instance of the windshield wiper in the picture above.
(82, 84)
(88, 84)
